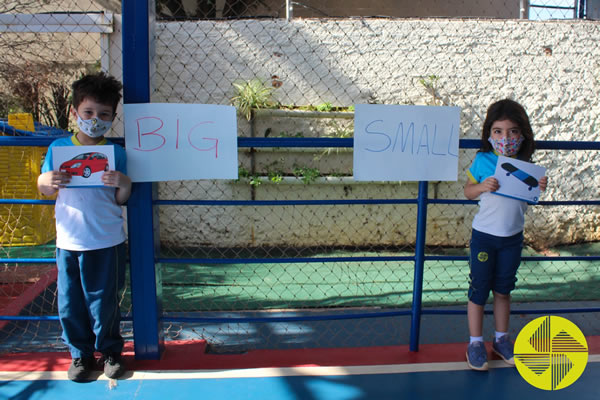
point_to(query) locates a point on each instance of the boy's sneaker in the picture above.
(504, 348)
(114, 366)
(81, 369)
(477, 356)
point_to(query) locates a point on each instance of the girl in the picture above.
(497, 237)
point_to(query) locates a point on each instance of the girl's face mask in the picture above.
(507, 146)
(94, 127)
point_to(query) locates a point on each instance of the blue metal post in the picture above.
(415, 323)
(138, 20)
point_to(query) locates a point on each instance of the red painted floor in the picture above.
(191, 355)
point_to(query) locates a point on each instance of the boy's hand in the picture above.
(116, 179)
(543, 183)
(49, 182)
(120, 181)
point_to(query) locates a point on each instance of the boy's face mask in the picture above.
(94, 127)
(507, 146)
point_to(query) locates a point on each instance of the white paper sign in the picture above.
(406, 143)
(86, 164)
(166, 142)
(518, 179)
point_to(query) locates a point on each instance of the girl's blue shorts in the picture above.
(494, 261)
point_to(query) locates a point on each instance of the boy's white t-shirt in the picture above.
(87, 218)
(498, 215)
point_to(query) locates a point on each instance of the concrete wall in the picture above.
(552, 68)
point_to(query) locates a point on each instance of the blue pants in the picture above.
(88, 299)
(494, 262)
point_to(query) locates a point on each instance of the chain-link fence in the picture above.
(295, 234)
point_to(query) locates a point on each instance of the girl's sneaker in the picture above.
(477, 356)
(505, 349)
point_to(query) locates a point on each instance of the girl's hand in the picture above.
(489, 185)
(473, 190)
(543, 183)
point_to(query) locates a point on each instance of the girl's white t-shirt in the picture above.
(500, 215)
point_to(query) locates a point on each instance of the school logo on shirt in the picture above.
(551, 353)
(482, 256)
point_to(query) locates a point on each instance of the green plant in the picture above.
(430, 83)
(252, 94)
(244, 174)
(324, 107)
(255, 180)
(337, 131)
(275, 176)
(306, 174)
(9, 104)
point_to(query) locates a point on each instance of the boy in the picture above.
(90, 236)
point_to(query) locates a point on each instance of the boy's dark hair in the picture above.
(100, 87)
(511, 110)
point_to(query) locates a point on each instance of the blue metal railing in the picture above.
(148, 345)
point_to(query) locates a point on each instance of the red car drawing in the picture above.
(85, 164)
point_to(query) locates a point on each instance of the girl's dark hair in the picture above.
(101, 88)
(511, 110)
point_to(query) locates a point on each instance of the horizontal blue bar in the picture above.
(278, 260)
(309, 260)
(41, 141)
(28, 317)
(306, 259)
(541, 203)
(26, 201)
(310, 142)
(310, 202)
(295, 142)
(524, 258)
(240, 320)
(553, 7)
(517, 312)
(41, 318)
(28, 260)
(280, 202)
(328, 317)
(383, 314)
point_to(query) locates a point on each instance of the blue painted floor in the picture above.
(347, 383)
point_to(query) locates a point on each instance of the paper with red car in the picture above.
(86, 164)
